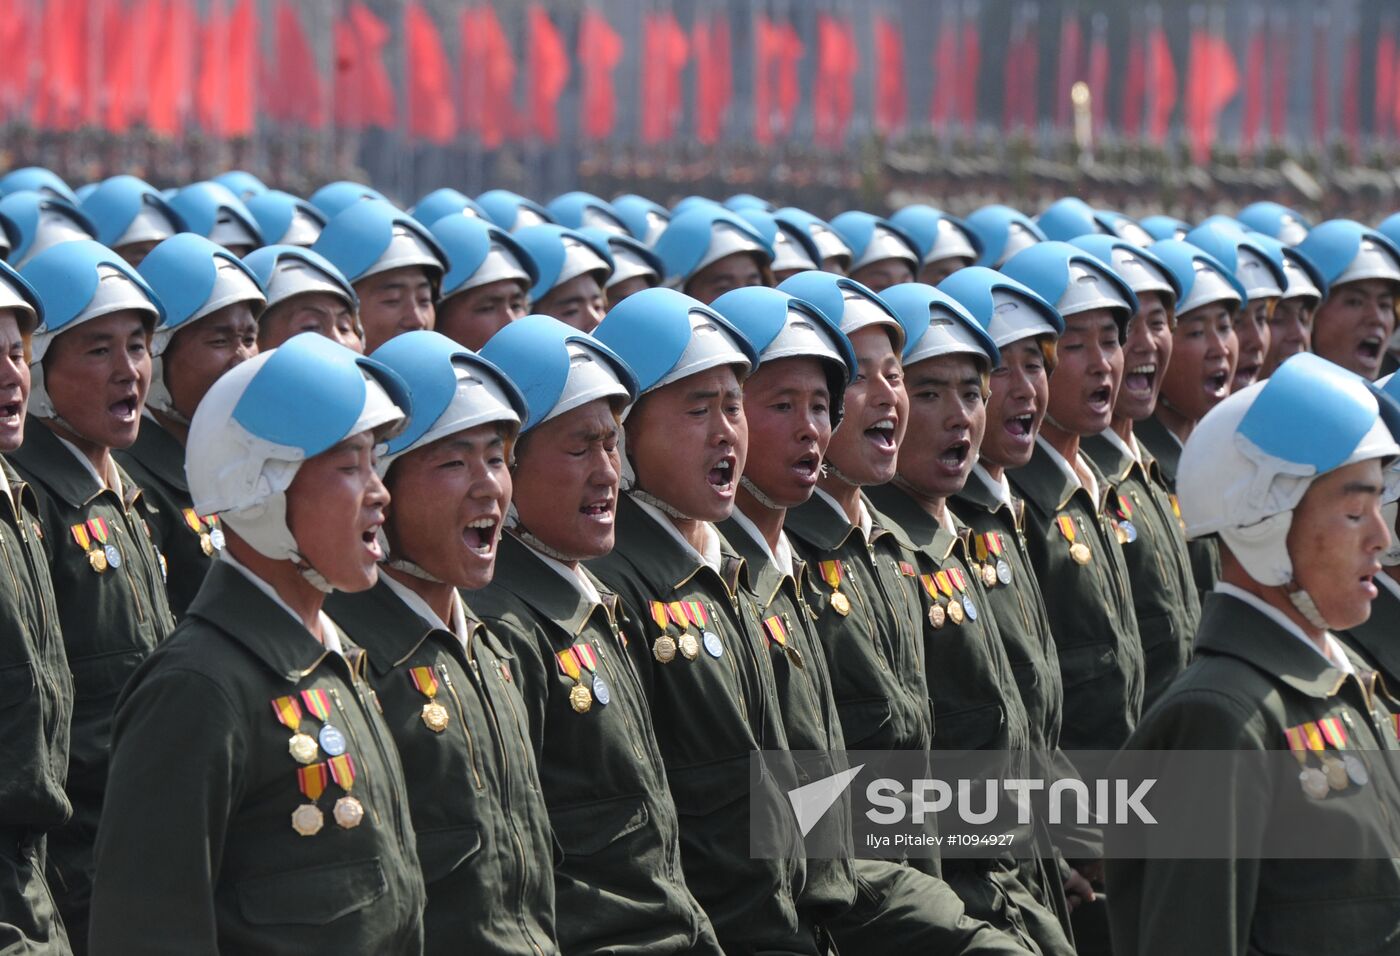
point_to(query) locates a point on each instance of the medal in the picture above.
(937, 616)
(795, 656)
(1129, 531)
(95, 558)
(216, 536)
(833, 573)
(690, 646)
(308, 819)
(348, 812)
(206, 545)
(955, 612)
(1314, 783)
(302, 748)
(435, 716)
(580, 699)
(713, 646)
(97, 561)
(1336, 771)
(1080, 553)
(332, 740)
(1078, 550)
(1356, 770)
(1003, 572)
(840, 603)
(960, 582)
(600, 691)
(664, 650)
(969, 608)
(989, 576)
(114, 557)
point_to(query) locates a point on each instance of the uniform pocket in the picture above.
(442, 851)
(17, 683)
(585, 829)
(972, 728)
(1087, 662)
(104, 675)
(341, 889)
(863, 719)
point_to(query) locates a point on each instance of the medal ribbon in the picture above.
(1297, 745)
(343, 770)
(774, 628)
(994, 542)
(944, 583)
(98, 527)
(833, 573)
(979, 543)
(192, 520)
(1125, 508)
(1314, 737)
(929, 586)
(425, 680)
(658, 614)
(318, 702)
(312, 780)
(907, 569)
(1066, 525)
(676, 610)
(80, 536)
(568, 663)
(1334, 732)
(959, 581)
(288, 712)
(586, 656)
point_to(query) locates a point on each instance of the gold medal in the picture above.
(348, 812)
(989, 576)
(206, 545)
(937, 616)
(664, 650)
(690, 646)
(302, 747)
(435, 716)
(841, 603)
(580, 699)
(1336, 772)
(955, 612)
(795, 656)
(1079, 552)
(308, 819)
(97, 560)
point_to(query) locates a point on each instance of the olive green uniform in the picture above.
(197, 852)
(1165, 600)
(619, 888)
(36, 700)
(111, 620)
(1377, 641)
(1165, 447)
(483, 832)
(1088, 604)
(157, 462)
(711, 708)
(1250, 682)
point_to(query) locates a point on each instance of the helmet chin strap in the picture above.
(830, 470)
(313, 577)
(1304, 604)
(759, 496)
(658, 504)
(529, 540)
(405, 565)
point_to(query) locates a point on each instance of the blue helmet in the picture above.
(512, 211)
(1165, 227)
(1073, 280)
(334, 197)
(630, 257)
(286, 220)
(1304, 279)
(480, 253)
(1275, 220)
(936, 234)
(829, 244)
(1202, 277)
(124, 209)
(1221, 221)
(37, 221)
(873, 238)
(780, 326)
(1390, 227)
(1070, 217)
(1140, 269)
(936, 324)
(561, 255)
(578, 209)
(1347, 251)
(1003, 232)
(558, 368)
(37, 179)
(846, 303)
(451, 389)
(739, 202)
(665, 336)
(793, 248)
(286, 271)
(1257, 272)
(212, 211)
(242, 184)
(703, 234)
(686, 203)
(1123, 226)
(370, 237)
(1007, 310)
(645, 219)
(445, 202)
(17, 295)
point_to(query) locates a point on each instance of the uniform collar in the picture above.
(985, 492)
(21, 496)
(1237, 627)
(922, 530)
(1045, 483)
(710, 556)
(822, 522)
(762, 572)
(45, 456)
(782, 558)
(1161, 442)
(1095, 488)
(161, 453)
(655, 542)
(1111, 455)
(523, 572)
(1281, 619)
(386, 626)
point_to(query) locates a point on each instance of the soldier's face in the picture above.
(335, 507)
(1146, 356)
(97, 375)
(394, 302)
(1354, 324)
(577, 303)
(205, 349)
(1020, 391)
(135, 252)
(1085, 383)
(1290, 332)
(566, 476)
(866, 446)
(621, 290)
(318, 312)
(450, 499)
(1335, 542)
(1203, 361)
(472, 317)
(737, 271)
(883, 273)
(787, 403)
(940, 269)
(1252, 331)
(14, 382)
(947, 417)
(688, 442)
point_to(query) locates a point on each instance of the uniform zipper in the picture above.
(355, 739)
(462, 719)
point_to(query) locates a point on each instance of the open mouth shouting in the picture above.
(1099, 401)
(125, 409)
(1216, 383)
(807, 469)
(956, 458)
(1368, 352)
(369, 537)
(882, 435)
(11, 414)
(1247, 371)
(724, 476)
(600, 510)
(480, 535)
(1139, 380)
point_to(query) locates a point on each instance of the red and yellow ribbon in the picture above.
(312, 780)
(773, 627)
(425, 679)
(343, 770)
(318, 702)
(288, 712)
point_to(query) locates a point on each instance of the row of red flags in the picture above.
(159, 63)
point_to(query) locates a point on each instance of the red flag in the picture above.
(1213, 81)
(212, 85)
(1134, 88)
(295, 70)
(240, 116)
(969, 69)
(17, 38)
(1098, 71)
(1030, 69)
(1281, 54)
(1321, 80)
(121, 33)
(62, 80)
(714, 74)
(944, 107)
(1161, 83)
(172, 74)
(488, 77)
(1351, 95)
(549, 72)
(1383, 121)
(665, 50)
(833, 98)
(891, 103)
(431, 115)
(1253, 117)
(364, 96)
(599, 52)
(1069, 68)
(777, 51)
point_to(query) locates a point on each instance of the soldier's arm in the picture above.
(532, 668)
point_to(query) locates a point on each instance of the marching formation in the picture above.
(424, 581)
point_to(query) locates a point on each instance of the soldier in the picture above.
(1290, 323)
(1263, 281)
(286, 220)
(211, 210)
(1288, 474)
(582, 210)
(708, 250)
(882, 254)
(446, 685)
(282, 824)
(835, 255)
(645, 220)
(572, 270)
(1274, 220)
(945, 243)
(635, 267)
(619, 887)
(34, 677)
(441, 203)
(1198, 377)
(487, 283)
(1002, 232)
(212, 302)
(1361, 267)
(91, 368)
(130, 217)
(512, 211)
(38, 221)
(392, 261)
(1165, 601)
(305, 293)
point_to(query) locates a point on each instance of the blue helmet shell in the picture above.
(544, 244)
(182, 271)
(974, 289)
(1294, 393)
(65, 278)
(1272, 219)
(913, 303)
(992, 227)
(633, 210)
(769, 225)
(570, 209)
(199, 205)
(241, 183)
(857, 228)
(274, 210)
(1224, 239)
(1045, 267)
(503, 208)
(445, 202)
(21, 212)
(112, 204)
(615, 241)
(651, 329)
(827, 291)
(1333, 245)
(1181, 257)
(262, 263)
(357, 236)
(1164, 227)
(36, 179)
(920, 223)
(1102, 247)
(334, 197)
(465, 241)
(682, 247)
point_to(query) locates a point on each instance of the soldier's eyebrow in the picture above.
(1361, 488)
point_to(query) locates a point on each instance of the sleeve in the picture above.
(170, 794)
(532, 676)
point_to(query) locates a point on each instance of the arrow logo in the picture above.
(811, 801)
